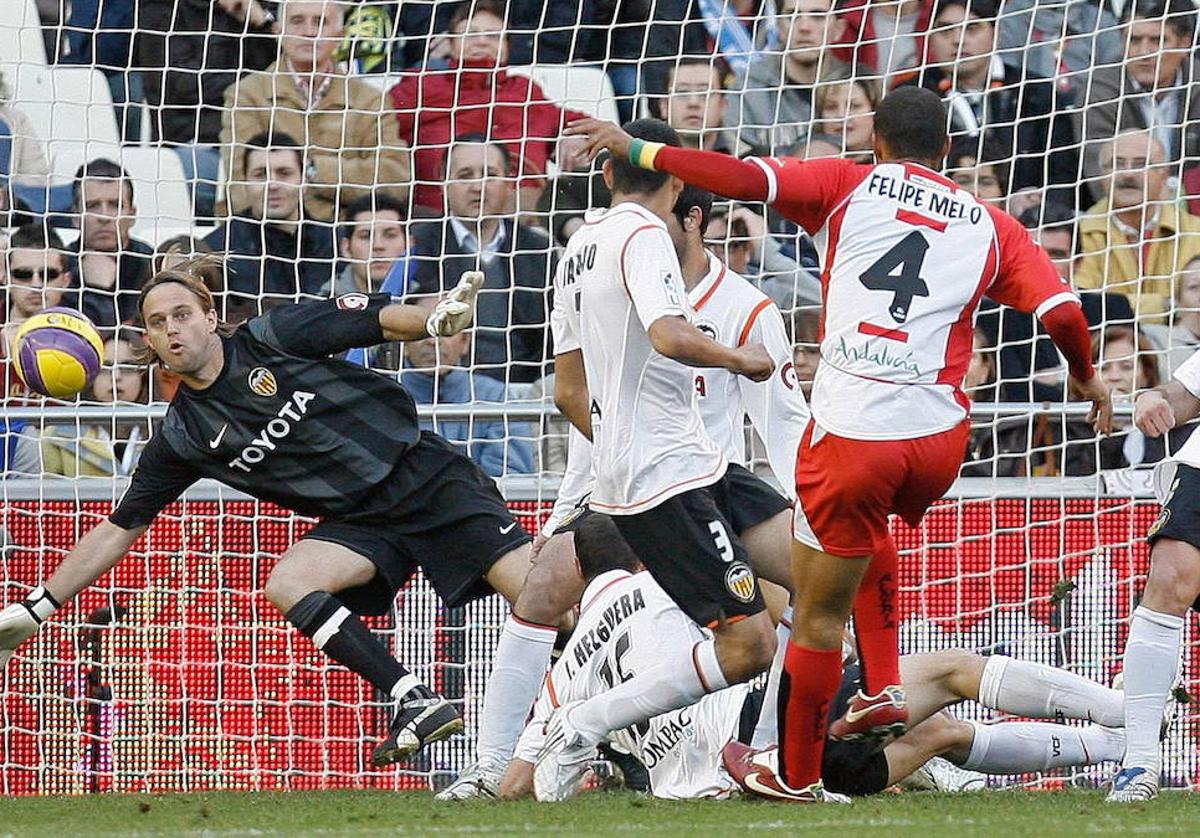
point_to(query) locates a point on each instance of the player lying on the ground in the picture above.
(264, 408)
(732, 312)
(1155, 641)
(908, 255)
(626, 620)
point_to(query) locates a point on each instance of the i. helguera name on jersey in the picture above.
(613, 616)
(280, 427)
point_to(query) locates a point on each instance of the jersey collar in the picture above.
(708, 286)
(600, 584)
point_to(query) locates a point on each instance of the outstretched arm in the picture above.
(679, 340)
(1165, 407)
(93, 556)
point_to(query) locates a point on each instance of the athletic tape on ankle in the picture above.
(989, 681)
(1167, 621)
(330, 627)
(405, 685)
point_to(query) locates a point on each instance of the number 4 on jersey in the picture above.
(909, 256)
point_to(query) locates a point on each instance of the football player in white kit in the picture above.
(733, 312)
(907, 255)
(1154, 646)
(626, 619)
(625, 346)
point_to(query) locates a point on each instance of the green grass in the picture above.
(379, 813)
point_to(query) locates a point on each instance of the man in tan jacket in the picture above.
(1135, 241)
(352, 146)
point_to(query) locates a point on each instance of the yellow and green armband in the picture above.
(642, 153)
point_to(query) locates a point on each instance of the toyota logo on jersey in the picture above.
(262, 382)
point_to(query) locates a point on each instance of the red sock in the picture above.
(876, 613)
(807, 687)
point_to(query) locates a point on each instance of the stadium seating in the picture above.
(21, 34)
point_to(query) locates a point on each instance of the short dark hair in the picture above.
(36, 236)
(1179, 15)
(660, 78)
(272, 141)
(981, 9)
(912, 121)
(599, 547)
(477, 138)
(373, 202)
(986, 149)
(630, 178)
(694, 196)
(466, 10)
(1051, 216)
(100, 169)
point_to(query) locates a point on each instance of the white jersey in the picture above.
(907, 256)
(618, 275)
(734, 313)
(1187, 374)
(624, 622)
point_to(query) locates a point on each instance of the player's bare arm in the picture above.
(1159, 410)
(571, 391)
(93, 556)
(676, 338)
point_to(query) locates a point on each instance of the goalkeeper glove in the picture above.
(453, 314)
(20, 621)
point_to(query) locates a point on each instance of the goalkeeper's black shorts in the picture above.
(454, 530)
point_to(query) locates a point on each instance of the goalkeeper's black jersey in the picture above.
(287, 423)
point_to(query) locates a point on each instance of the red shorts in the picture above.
(847, 488)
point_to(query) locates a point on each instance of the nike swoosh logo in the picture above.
(508, 529)
(853, 716)
(752, 782)
(214, 443)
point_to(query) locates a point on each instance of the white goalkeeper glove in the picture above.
(20, 621)
(453, 314)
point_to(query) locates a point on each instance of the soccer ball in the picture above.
(57, 352)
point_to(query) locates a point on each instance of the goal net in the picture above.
(388, 146)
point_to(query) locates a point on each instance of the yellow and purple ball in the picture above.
(57, 352)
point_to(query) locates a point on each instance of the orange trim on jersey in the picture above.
(716, 284)
(551, 692)
(899, 335)
(699, 674)
(745, 334)
(601, 591)
(621, 260)
(718, 470)
(532, 624)
(736, 618)
(919, 220)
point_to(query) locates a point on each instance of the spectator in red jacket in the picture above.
(883, 38)
(476, 94)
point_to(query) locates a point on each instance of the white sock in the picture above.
(683, 678)
(766, 732)
(1151, 661)
(1025, 747)
(522, 657)
(1037, 691)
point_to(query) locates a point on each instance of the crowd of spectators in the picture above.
(337, 146)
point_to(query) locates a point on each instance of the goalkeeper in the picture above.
(265, 410)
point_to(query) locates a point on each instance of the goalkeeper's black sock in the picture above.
(341, 635)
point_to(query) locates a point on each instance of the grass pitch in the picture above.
(380, 813)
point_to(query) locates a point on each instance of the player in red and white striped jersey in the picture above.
(907, 256)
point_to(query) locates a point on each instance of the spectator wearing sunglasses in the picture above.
(36, 277)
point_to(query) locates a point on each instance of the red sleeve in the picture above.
(808, 191)
(403, 102)
(1028, 281)
(805, 191)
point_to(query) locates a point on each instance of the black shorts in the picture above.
(691, 549)
(454, 530)
(1179, 519)
(747, 500)
(859, 767)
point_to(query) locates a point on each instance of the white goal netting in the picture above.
(362, 146)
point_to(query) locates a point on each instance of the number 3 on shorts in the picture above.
(721, 537)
